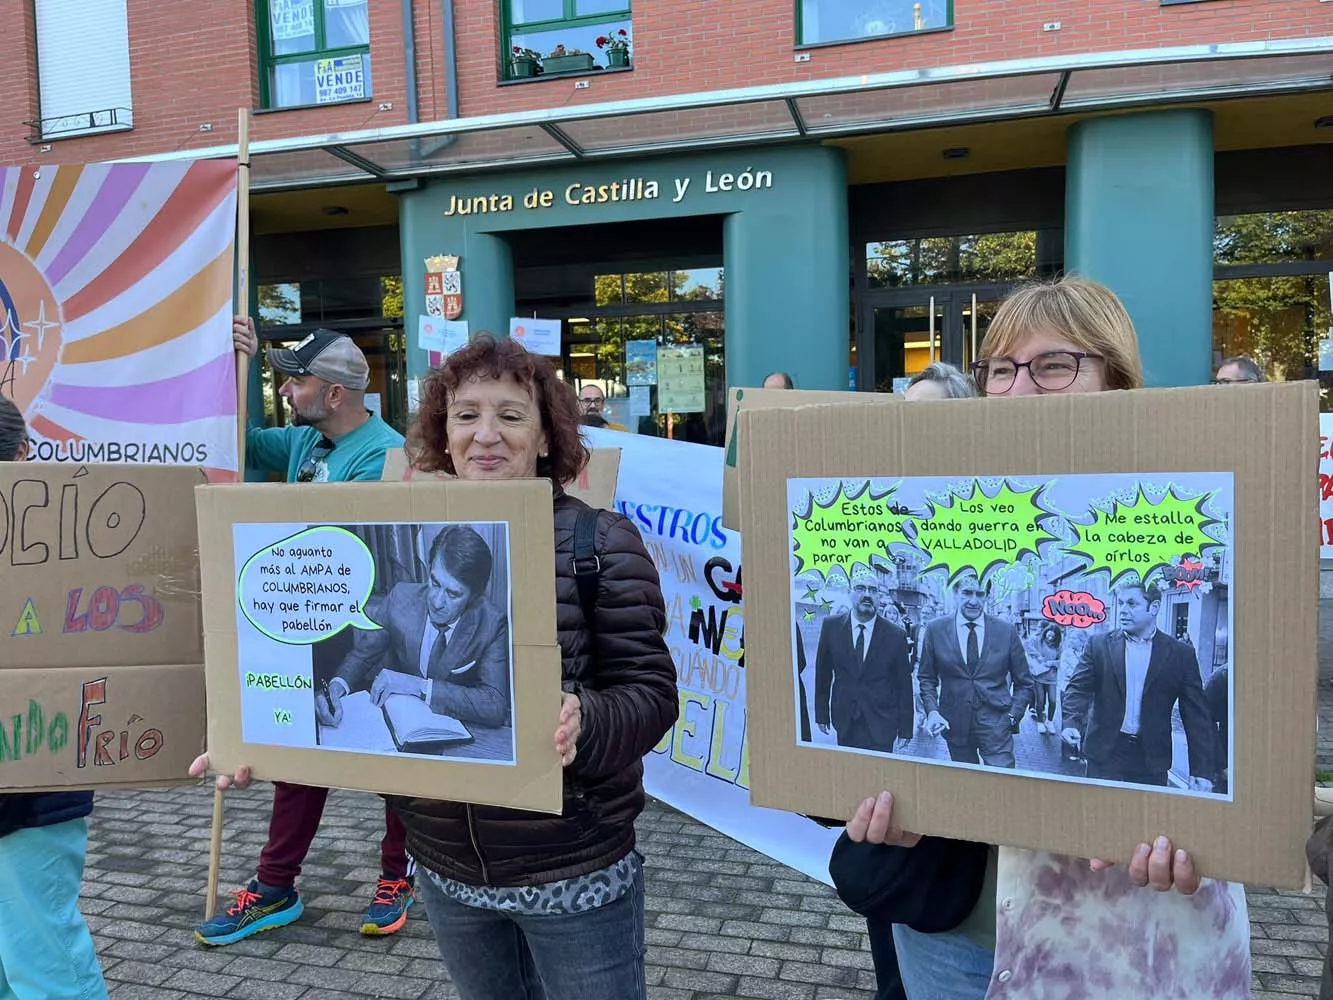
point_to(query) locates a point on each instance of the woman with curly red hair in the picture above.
(525, 905)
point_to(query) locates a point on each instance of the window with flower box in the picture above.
(554, 37)
(823, 22)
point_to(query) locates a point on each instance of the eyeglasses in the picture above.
(595, 402)
(1052, 371)
(1234, 381)
(306, 473)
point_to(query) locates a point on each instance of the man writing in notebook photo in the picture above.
(442, 641)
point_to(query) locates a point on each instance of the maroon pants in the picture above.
(297, 810)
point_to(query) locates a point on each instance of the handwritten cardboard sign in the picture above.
(101, 647)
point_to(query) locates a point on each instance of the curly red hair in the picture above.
(489, 357)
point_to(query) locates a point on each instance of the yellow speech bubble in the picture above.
(848, 526)
(979, 531)
(1141, 536)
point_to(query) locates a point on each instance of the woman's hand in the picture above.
(224, 781)
(1158, 866)
(873, 824)
(568, 729)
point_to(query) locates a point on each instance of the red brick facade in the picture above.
(190, 68)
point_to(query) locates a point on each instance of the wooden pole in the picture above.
(242, 306)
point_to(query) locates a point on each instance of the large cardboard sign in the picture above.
(101, 676)
(388, 637)
(115, 322)
(595, 485)
(740, 400)
(1062, 624)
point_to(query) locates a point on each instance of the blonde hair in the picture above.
(1083, 312)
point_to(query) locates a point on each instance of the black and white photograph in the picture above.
(1089, 642)
(421, 666)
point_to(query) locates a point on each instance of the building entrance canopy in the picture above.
(812, 111)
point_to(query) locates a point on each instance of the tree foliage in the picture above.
(944, 260)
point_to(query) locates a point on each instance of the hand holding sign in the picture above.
(308, 587)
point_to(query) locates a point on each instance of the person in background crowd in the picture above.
(332, 438)
(1044, 661)
(939, 380)
(1238, 371)
(592, 401)
(778, 380)
(46, 950)
(1044, 922)
(527, 906)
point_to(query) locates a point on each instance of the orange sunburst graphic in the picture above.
(30, 325)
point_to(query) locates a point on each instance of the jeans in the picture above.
(948, 966)
(297, 810)
(46, 951)
(594, 955)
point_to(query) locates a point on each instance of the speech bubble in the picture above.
(977, 532)
(1141, 537)
(845, 527)
(1079, 609)
(308, 586)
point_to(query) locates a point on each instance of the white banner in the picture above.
(672, 491)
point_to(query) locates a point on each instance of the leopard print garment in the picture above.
(572, 895)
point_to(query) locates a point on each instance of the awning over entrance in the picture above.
(812, 111)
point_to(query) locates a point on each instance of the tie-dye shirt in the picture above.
(1065, 932)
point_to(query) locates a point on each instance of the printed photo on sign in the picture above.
(1075, 628)
(377, 638)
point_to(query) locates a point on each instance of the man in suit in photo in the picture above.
(975, 684)
(441, 641)
(863, 678)
(1119, 700)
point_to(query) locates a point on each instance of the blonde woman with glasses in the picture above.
(1047, 925)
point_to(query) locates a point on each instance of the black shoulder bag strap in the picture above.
(587, 565)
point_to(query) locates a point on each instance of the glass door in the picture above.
(975, 313)
(906, 339)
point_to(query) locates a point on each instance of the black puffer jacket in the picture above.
(626, 684)
(24, 811)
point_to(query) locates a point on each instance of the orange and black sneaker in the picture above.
(388, 910)
(253, 911)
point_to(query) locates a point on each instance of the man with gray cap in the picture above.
(332, 438)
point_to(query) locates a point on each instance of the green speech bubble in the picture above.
(308, 586)
(980, 531)
(1141, 537)
(844, 528)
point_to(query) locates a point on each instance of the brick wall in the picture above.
(189, 69)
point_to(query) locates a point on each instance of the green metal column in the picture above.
(488, 284)
(1139, 218)
(787, 280)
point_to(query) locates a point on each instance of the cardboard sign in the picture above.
(101, 676)
(596, 485)
(1154, 541)
(100, 565)
(325, 664)
(739, 400)
(99, 727)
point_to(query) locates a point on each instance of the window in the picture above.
(549, 37)
(1272, 292)
(949, 260)
(820, 22)
(313, 52)
(83, 68)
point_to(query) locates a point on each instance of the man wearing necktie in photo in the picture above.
(863, 677)
(441, 641)
(975, 684)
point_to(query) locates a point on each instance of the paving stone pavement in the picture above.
(723, 922)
